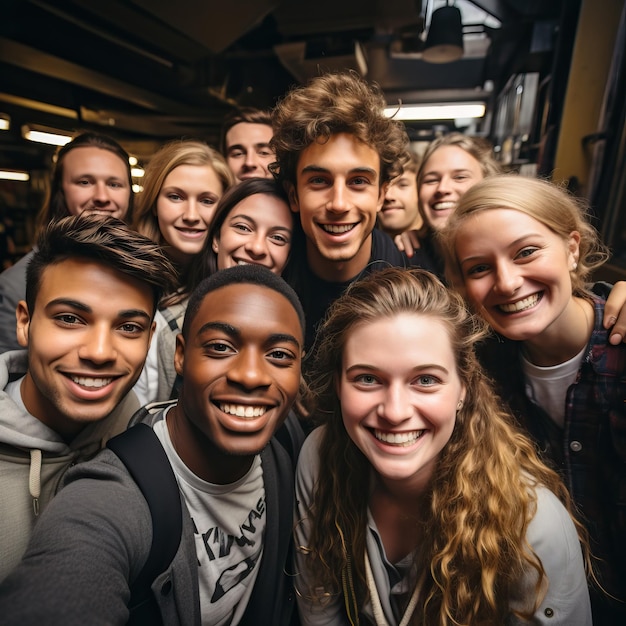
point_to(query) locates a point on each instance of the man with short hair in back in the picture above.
(92, 289)
(246, 135)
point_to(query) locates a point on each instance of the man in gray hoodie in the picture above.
(92, 290)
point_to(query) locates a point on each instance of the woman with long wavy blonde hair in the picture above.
(419, 501)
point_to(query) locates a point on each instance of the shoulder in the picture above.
(552, 535)
(309, 462)
(384, 249)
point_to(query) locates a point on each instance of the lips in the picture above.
(398, 439)
(191, 232)
(337, 229)
(243, 410)
(521, 305)
(443, 206)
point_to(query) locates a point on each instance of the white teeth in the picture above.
(444, 206)
(398, 439)
(241, 410)
(337, 229)
(91, 382)
(243, 263)
(520, 305)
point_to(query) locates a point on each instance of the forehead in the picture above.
(255, 311)
(193, 176)
(401, 340)
(263, 207)
(248, 133)
(451, 158)
(86, 158)
(88, 281)
(340, 152)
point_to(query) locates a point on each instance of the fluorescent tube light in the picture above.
(48, 136)
(435, 111)
(14, 175)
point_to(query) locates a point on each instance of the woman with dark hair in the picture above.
(91, 174)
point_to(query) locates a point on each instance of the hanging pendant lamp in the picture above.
(444, 43)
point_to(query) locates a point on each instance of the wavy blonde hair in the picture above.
(482, 495)
(545, 202)
(167, 159)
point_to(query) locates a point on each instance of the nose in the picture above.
(249, 370)
(98, 346)
(191, 213)
(101, 193)
(508, 279)
(396, 406)
(338, 202)
(390, 194)
(251, 161)
(443, 186)
(256, 245)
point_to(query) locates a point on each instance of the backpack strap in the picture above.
(144, 457)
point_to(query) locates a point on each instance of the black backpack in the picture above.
(152, 472)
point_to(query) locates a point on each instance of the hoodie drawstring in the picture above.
(34, 479)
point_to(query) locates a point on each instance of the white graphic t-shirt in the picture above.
(229, 525)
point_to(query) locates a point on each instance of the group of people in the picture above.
(248, 404)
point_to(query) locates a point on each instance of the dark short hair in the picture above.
(237, 275)
(55, 206)
(106, 240)
(243, 115)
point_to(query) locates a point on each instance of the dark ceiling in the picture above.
(147, 70)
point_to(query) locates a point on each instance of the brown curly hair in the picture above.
(335, 103)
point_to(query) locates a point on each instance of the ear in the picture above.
(381, 196)
(292, 194)
(573, 248)
(152, 329)
(215, 245)
(179, 354)
(22, 317)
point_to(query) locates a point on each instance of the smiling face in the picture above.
(95, 180)
(248, 151)
(400, 212)
(87, 341)
(241, 367)
(516, 272)
(185, 208)
(257, 230)
(446, 176)
(399, 389)
(338, 196)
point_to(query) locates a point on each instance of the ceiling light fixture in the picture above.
(444, 42)
(137, 172)
(14, 175)
(41, 134)
(436, 111)
(5, 121)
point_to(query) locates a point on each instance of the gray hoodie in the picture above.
(34, 458)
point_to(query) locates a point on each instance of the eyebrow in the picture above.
(416, 368)
(322, 170)
(230, 330)
(81, 306)
(240, 146)
(251, 219)
(515, 242)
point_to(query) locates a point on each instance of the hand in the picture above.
(615, 313)
(408, 241)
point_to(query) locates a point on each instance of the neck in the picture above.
(339, 271)
(200, 455)
(565, 337)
